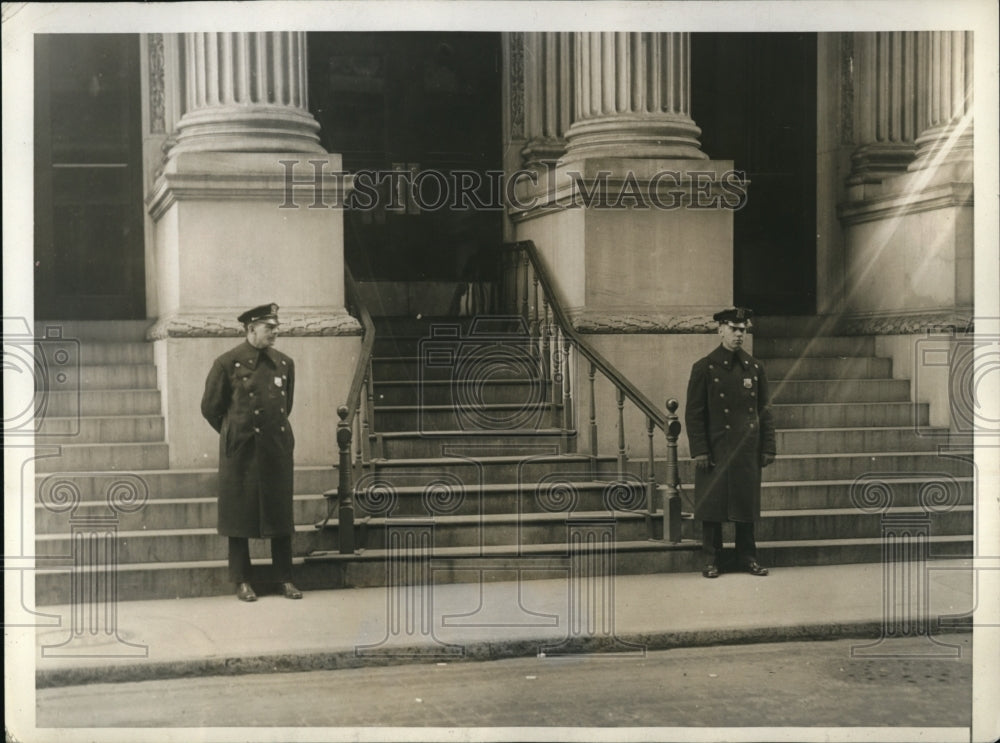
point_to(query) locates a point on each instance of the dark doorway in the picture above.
(754, 97)
(424, 102)
(89, 246)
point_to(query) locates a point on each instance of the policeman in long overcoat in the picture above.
(247, 400)
(731, 434)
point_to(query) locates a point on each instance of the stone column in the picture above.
(634, 221)
(246, 92)
(549, 93)
(886, 108)
(945, 78)
(632, 96)
(245, 211)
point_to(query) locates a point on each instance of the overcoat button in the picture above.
(251, 394)
(716, 379)
(725, 410)
(722, 394)
(753, 394)
(727, 426)
(282, 428)
(256, 430)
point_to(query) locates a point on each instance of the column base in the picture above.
(634, 136)
(260, 128)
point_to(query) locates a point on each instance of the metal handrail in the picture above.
(363, 367)
(668, 422)
(591, 354)
(343, 495)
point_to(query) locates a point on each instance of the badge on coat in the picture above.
(277, 381)
(748, 383)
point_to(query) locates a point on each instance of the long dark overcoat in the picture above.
(248, 396)
(727, 417)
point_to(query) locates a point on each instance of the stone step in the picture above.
(163, 483)
(108, 457)
(98, 403)
(450, 418)
(813, 367)
(798, 553)
(517, 442)
(471, 396)
(898, 490)
(497, 530)
(892, 439)
(848, 466)
(794, 326)
(493, 361)
(765, 347)
(847, 415)
(96, 353)
(840, 390)
(104, 429)
(474, 466)
(557, 495)
(191, 579)
(109, 377)
(806, 524)
(117, 331)
(175, 545)
(163, 513)
(467, 326)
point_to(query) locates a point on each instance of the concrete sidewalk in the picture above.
(478, 621)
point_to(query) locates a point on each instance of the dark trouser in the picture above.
(239, 559)
(711, 541)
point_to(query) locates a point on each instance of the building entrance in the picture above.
(88, 181)
(416, 117)
(754, 97)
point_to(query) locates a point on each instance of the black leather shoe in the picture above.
(710, 571)
(245, 593)
(289, 591)
(755, 568)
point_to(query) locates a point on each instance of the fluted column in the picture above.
(549, 93)
(245, 92)
(632, 96)
(886, 105)
(945, 106)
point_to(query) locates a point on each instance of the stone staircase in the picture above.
(490, 488)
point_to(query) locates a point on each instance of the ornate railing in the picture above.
(357, 423)
(527, 289)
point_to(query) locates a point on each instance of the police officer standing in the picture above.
(248, 396)
(731, 434)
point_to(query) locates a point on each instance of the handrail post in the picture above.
(345, 488)
(671, 491)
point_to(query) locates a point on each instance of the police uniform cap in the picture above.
(264, 313)
(733, 315)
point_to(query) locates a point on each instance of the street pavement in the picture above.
(474, 621)
(915, 683)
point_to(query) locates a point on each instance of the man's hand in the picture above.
(703, 462)
(766, 459)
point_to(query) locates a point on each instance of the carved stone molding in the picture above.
(222, 323)
(157, 97)
(893, 206)
(907, 323)
(624, 322)
(517, 85)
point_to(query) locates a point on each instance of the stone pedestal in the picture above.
(224, 244)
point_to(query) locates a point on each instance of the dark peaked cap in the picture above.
(733, 314)
(260, 314)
